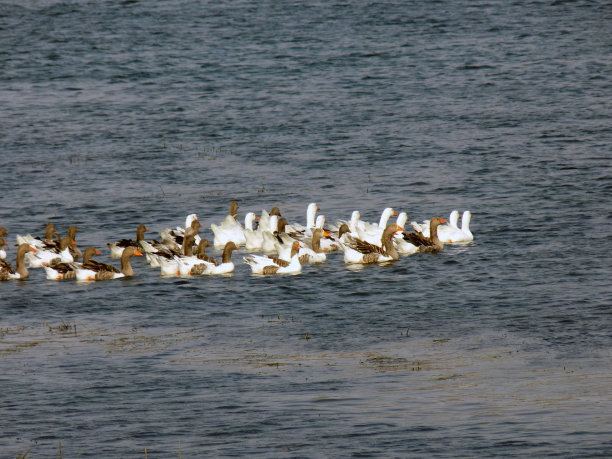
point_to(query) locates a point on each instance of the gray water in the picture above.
(119, 113)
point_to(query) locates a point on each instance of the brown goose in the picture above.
(116, 248)
(213, 266)
(359, 251)
(59, 271)
(431, 244)
(94, 270)
(20, 272)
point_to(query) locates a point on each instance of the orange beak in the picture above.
(256, 217)
(443, 221)
(137, 253)
(32, 249)
(325, 233)
(394, 213)
(399, 228)
(97, 252)
(5, 243)
(73, 242)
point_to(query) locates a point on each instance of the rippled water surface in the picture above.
(119, 113)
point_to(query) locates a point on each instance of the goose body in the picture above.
(62, 270)
(229, 229)
(425, 244)
(117, 248)
(20, 272)
(96, 271)
(51, 253)
(362, 252)
(265, 265)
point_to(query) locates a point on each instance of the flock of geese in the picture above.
(285, 246)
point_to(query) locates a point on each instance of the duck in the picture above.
(62, 270)
(96, 271)
(54, 252)
(213, 267)
(116, 248)
(20, 272)
(229, 229)
(431, 244)
(360, 251)
(264, 265)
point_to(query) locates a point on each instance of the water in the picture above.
(119, 113)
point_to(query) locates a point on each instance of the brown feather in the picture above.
(270, 269)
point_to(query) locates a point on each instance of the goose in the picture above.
(229, 229)
(96, 271)
(311, 212)
(2, 251)
(116, 248)
(269, 238)
(353, 224)
(359, 251)
(450, 233)
(176, 235)
(423, 228)
(253, 237)
(333, 242)
(306, 254)
(51, 253)
(425, 244)
(371, 228)
(20, 272)
(372, 233)
(214, 267)
(36, 242)
(171, 265)
(265, 265)
(264, 220)
(59, 271)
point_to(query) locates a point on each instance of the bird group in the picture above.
(284, 246)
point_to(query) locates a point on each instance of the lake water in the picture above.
(120, 113)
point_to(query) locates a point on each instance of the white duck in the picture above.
(265, 265)
(20, 272)
(359, 251)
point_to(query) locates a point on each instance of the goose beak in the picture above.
(138, 253)
(394, 213)
(32, 249)
(399, 228)
(97, 252)
(443, 220)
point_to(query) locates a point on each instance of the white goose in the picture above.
(36, 242)
(450, 233)
(265, 265)
(253, 237)
(372, 232)
(52, 253)
(229, 229)
(2, 251)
